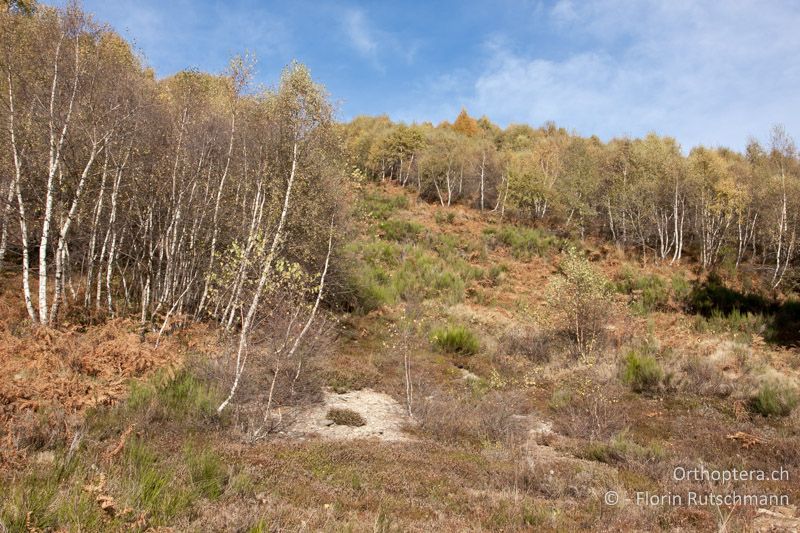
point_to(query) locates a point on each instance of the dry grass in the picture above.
(473, 463)
(535, 345)
(495, 416)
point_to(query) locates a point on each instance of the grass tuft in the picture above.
(774, 400)
(207, 473)
(456, 339)
(152, 485)
(380, 206)
(621, 449)
(444, 217)
(650, 292)
(642, 372)
(400, 230)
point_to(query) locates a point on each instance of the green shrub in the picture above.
(370, 288)
(579, 298)
(452, 252)
(47, 498)
(560, 399)
(524, 242)
(381, 206)
(774, 399)
(466, 271)
(384, 273)
(681, 288)
(367, 276)
(745, 312)
(741, 324)
(180, 398)
(456, 339)
(497, 273)
(186, 397)
(642, 372)
(650, 291)
(448, 245)
(345, 417)
(444, 217)
(423, 275)
(400, 230)
(380, 252)
(620, 449)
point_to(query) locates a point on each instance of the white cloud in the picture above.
(705, 72)
(564, 11)
(358, 31)
(374, 43)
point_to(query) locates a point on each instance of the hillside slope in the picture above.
(481, 406)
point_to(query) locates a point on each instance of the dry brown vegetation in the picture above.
(262, 355)
(49, 378)
(517, 435)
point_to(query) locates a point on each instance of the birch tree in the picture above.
(303, 119)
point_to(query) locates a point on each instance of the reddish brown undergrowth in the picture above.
(49, 377)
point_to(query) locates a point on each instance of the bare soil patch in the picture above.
(384, 417)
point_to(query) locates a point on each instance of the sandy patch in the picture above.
(384, 416)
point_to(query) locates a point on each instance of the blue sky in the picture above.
(706, 72)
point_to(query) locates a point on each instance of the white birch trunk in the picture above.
(241, 352)
(55, 160)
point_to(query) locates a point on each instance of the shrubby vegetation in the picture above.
(345, 417)
(774, 399)
(455, 339)
(620, 449)
(444, 218)
(720, 309)
(197, 210)
(642, 371)
(579, 296)
(380, 206)
(142, 206)
(387, 273)
(523, 242)
(737, 210)
(649, 292)
(192, 195)
(400, 230)
(527, 341)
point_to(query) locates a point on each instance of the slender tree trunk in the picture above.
(26, 268)
(16, 185)
(241, 352)
(215, 226)
(56, 145)
(781, 232)
(503, 205)
(90, 254)
(6, 212)
(483, 169)
(676, 235)
(62, 236)
(610, 219)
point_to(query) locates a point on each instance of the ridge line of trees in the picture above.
(720, 206)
